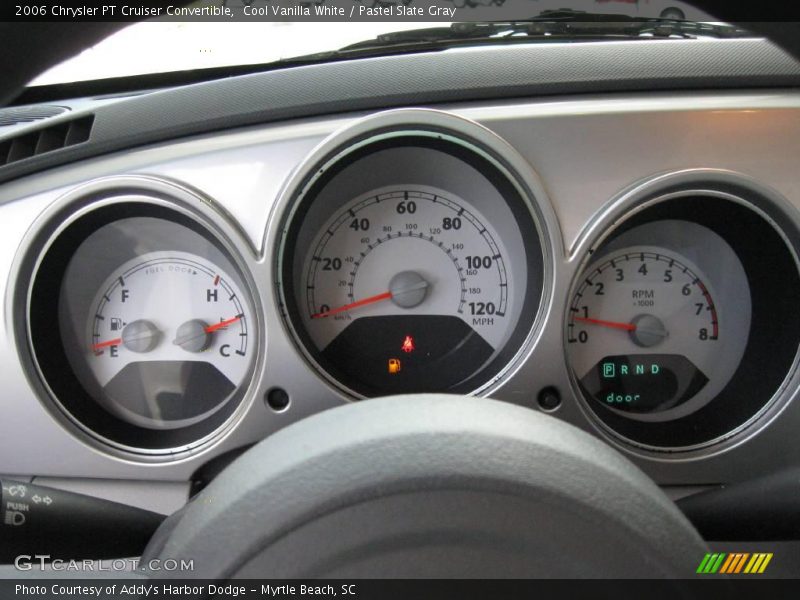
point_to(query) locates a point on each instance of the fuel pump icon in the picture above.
(394, 366)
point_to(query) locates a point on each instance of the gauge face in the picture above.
(407, 289)
(411, 264)
(167, 340)
(645, 334)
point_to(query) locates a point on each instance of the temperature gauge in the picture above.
(167, 340)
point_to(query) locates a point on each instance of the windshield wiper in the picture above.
(558, 25)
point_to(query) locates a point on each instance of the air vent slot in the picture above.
(28, 114)
(44, 140)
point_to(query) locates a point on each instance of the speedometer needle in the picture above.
(612, 324)
(356, 304)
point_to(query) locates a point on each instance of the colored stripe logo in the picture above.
(734, 563)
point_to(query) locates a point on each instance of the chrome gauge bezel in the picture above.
(436, 125)
(730, 186)
(116, 193)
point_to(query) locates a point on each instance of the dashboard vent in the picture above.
(28, 114)
(47, 139)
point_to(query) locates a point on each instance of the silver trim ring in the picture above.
(78, 203)
(429, 123)
(776, 210)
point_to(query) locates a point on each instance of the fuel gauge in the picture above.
(167, 340)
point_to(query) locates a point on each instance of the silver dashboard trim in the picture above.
(586, 149)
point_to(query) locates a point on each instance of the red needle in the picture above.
(209, 329)
(101, 345)
(612, 324)
(364, 302)
(221, 324)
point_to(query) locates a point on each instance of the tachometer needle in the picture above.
(101, 345)
(356, 304)
(221, 324)
(612, 324)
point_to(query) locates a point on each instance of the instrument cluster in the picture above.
(414, 251)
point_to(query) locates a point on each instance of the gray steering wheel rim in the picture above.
(338, 495)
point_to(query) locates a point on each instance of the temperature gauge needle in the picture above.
(195, 335)
(611, 324)
(221, 324)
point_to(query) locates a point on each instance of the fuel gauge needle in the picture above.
(611, 324)
(106, 344)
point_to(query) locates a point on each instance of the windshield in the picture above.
(158, 47)
(151, 47)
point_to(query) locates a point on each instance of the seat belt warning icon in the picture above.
(394, 366)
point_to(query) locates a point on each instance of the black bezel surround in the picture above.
(462, 148)
(771, 268)
(67, 394)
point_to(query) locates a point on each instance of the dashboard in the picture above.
(627, 262)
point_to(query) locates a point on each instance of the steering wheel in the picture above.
(430, 486)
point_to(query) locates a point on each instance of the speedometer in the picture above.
(427, 283)
(400, 279)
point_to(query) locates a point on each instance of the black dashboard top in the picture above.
(423, 79)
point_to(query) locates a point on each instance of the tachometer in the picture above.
(644, 331)
(657, 324)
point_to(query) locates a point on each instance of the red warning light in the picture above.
(408, 344)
